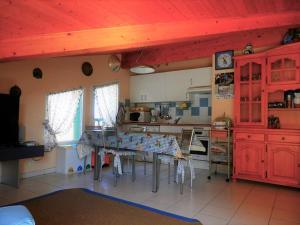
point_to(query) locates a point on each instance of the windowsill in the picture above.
(67, 143)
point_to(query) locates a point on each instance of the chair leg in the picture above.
(158, 171)
(169, 173)
(175, 169)
(115, 169)
(191, 172)
(100, 169)
(84, 164)
(145, 166)
(181, 183)
(133, 168)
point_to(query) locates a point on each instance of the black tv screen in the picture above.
(9, 119)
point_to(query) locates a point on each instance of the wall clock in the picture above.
(224, 60)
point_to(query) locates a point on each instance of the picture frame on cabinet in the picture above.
(224, 60)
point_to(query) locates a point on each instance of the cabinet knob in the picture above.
(249, 136)
(283, 138)
(298, 164)
(262, 161)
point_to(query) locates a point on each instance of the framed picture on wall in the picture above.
(224, 60)
(224, 84)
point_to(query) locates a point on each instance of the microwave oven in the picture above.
(143, 117)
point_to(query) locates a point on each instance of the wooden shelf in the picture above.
(247, 102)
(284, 109)
(251, 81)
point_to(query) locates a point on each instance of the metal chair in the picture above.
(144, 154)
(185, 143)
(116, 152)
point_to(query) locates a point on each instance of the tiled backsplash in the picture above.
(199, 110)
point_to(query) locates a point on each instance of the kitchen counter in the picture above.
(168, 124)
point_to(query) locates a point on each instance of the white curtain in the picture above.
(106, 104)
(60, 113)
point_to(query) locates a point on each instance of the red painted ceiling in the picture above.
(35, 28)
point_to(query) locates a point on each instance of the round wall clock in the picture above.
(224, 60)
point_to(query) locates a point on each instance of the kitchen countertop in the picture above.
(168, 124)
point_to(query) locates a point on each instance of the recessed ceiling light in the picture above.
(142, 69)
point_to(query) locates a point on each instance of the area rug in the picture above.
(85, 207)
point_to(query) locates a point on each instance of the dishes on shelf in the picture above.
(276, 105)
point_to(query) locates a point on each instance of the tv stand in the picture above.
(9, 161)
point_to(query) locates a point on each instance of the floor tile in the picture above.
(210, 220)
(286, 215)
(212, 201)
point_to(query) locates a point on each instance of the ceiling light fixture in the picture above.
(142, 69)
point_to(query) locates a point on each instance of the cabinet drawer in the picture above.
(250, 137)
(284, 138)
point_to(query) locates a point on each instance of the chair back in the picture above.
(186, 140)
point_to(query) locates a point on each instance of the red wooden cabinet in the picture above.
(262, 83)
(283, 164)
(250, 160)
(283, 69)
(249, 88)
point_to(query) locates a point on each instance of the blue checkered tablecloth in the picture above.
(159, 143)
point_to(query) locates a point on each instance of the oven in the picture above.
(200, 143)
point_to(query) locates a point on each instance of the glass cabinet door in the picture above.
(249, 93)
(283, 69)
(244, 93)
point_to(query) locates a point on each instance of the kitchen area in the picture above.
(173, 102)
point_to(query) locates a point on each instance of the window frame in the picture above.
(93, 97)
(72, 142)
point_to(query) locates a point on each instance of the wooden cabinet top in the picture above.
(281, 50)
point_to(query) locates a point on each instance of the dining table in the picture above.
(124, 141)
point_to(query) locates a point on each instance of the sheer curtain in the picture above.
(60, 113)
(106, 104)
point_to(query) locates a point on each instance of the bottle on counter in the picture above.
(289, 101)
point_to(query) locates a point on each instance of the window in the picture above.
(106, 99)
(64, 113)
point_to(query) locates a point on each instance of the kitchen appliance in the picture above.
(154, 116)
(200, 144)
(143, 117)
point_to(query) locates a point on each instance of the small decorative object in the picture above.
(114, 63)
(224, 60)
(15, 91)
(87, 69)
(272, 105)
(37, 73)
(256, 76)
(273, 122)
(297, 100)
(248, 49)
(183, 105)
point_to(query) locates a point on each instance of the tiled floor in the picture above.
(212, 202)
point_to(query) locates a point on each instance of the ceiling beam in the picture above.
(128, 38)
(203, 48)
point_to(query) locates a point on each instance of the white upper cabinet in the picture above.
(199, 77)
(176, 85)
(167, 86)
(147, 88)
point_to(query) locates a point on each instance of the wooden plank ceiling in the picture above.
(145, 32)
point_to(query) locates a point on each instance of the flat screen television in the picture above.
(9, 119)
